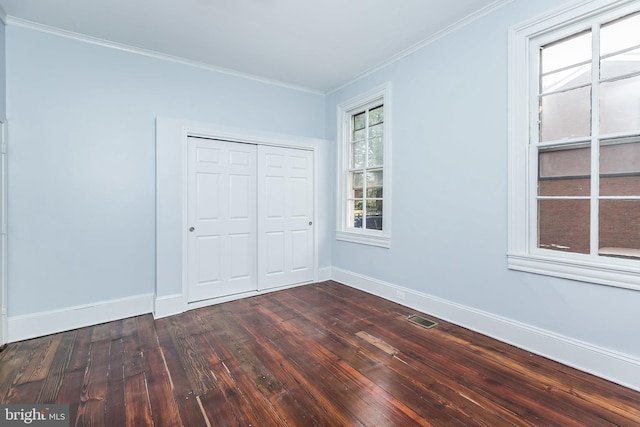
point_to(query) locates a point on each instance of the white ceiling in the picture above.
(318, 45)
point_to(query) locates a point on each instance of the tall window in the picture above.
(366, 172)
(579, 140)
(364, 176)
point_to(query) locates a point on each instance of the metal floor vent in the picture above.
(421, 321)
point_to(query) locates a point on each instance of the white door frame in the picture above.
(4, 330)
(247, 137)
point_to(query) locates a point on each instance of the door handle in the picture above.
(191, 229)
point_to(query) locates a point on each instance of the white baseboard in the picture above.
(54, 321)
(174, 304)
(620, 368)
(168, 305)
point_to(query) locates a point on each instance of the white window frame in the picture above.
(380, 238)
(523, 253)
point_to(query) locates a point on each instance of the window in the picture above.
(364, 151)
(574, 144)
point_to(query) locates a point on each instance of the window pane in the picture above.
(374, 192)
(564, 171)
(566, 52)
(566, 115)
(564, 186)
(357, 154)
(374, 178)
(572, 77)
(620, 167)
(619, 228)
(376, 152)
(620, 65)
(360, 135)
(376, 115)
(359, 121)
(376, 130)
(620, 105)
(374, 214)
(563, 225)
(357, 184)
(355, 213)
(620, 34)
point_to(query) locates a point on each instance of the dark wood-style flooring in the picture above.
(317, 355)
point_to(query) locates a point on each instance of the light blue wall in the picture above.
(3, 72)
(82, 160)
(449, 108)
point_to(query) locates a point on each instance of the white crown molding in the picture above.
(431, 39)
(53, 321)
(620, 368)
(18, 22)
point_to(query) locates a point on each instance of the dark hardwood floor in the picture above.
(317, 355)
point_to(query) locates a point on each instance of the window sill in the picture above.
(620, 252)
(599, 271)
(363, 238)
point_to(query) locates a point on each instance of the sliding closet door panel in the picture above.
(221, 212)
(285, 216)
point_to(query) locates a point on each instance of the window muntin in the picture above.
(588, 170)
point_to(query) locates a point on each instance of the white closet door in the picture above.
(221, 216)
(285, 216)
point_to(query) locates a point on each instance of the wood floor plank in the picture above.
(136, 401)
(164, 410)
(136, 398)
(57, 369)
(133, 364)
(189, 409)
(162, 405)
(146, 332)
(237, 369)
(91, 409)
(81, 349)
(198, 376)
(29, 379)
(115, 399)
(13, 359)
(315, 355)
(70, 390)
